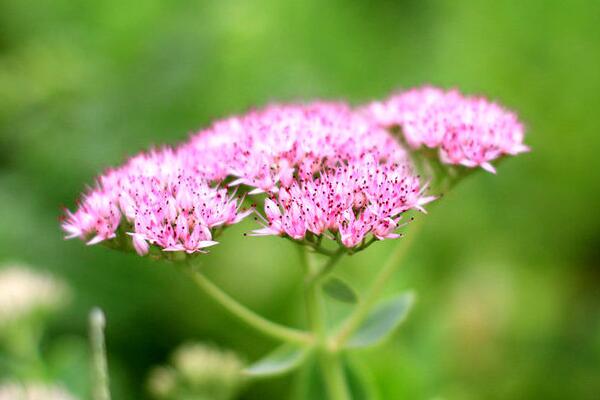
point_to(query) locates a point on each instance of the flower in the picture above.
(24, 292)
(198, 368)
(175, 198)
(467, 130)
(269, 148)
(353, 200)
(321, 164)
(199, 362)
(33, 391)
(160, 198)
(162, 382)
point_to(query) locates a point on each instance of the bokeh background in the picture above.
(506, 267)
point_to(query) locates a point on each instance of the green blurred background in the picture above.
(506, 268)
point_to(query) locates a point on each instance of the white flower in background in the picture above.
(202, 370)
(162, 382)
(200, 363)
(24, 292)
(33, 391)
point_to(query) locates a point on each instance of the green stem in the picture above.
(330, 362)
(101, 382)
(314, 310)
(368, 299)
(317, 276)
(256, 321)
(335, 377)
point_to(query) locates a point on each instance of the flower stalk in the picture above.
(317, 276)
(248, 316)
(330, 362)
(370, 297)
(101, 389)
(335, 379)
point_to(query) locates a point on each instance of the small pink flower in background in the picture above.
(467, 130)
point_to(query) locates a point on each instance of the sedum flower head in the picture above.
(24, 292)
(33, 391)
(328, 169)
(467, 130)
(159, 198)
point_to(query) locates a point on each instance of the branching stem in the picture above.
(256, 321)
(331, 364)
(368, 299)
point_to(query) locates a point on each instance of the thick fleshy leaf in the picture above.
(282, 360)
(340, 291)
(382, 321)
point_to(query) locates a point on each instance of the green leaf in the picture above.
(382, 321)
(340, 290)
(282, 360)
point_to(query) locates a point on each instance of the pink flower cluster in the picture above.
(469, 131)
(329, 169)
(274, 146)
(361, 198)
(326, 169)
(160, 198)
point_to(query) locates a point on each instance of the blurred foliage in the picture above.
(506, 269)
